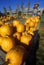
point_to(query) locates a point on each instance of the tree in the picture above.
(19, 13)
(5, 11)
(28, 6)
(22, 8)
(10, 9)
(17, 9)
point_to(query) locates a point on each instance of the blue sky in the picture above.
(12, 3)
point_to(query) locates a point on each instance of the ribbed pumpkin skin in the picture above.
(5, 30)
(7, 44)
(15, 56)
(20, 28)
(25, 39)
(16, 23)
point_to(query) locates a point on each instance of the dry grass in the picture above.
(40, 52)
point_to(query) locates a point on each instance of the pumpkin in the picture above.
(24, 33)
(2, 20)
(15, 56)
(6, 30)
(25, 39)
(27, 21)
(33, 19)
(20, 28)
(36, 25)
(1, 23)
(33, 29)
(8, 23)
(27, 27)
(37, 19)
(31, 24)
(7, 44)
(31, 32)
(1, 17)
(16, 23)
(17, 35)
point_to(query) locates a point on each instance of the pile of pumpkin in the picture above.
(7, 18)
(13, 35)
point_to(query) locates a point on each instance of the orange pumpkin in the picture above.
(7, 44)
(27, 27)
(8, 23)
(1, 17)
(5, 30)
(27, 21)
(16, 23)
(37, 19)
(15, 56)
(1, 23)
(33, 19)
(36, 25)
(30, 32)
(31, 24)
(17, 35)
(24, 33)
(20, 28)
(25, 39)
(33, 29)
(2, 20)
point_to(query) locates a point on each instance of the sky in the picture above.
(12, 3)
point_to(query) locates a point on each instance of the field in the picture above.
(40, 52)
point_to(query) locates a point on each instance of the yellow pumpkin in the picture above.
(8, 23)
(27, 27)
(25, 39)
(36, 25)
(16, 23)
(33, 19)
(7, 44)
(1, 22)
(17, 35)
(15, 56)
(31, 24)
(33, 29)
(5, 30)
(30, 32)
(24, 33)
(37, 19)
(27, 21)
(1, 17)
(20, 28)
